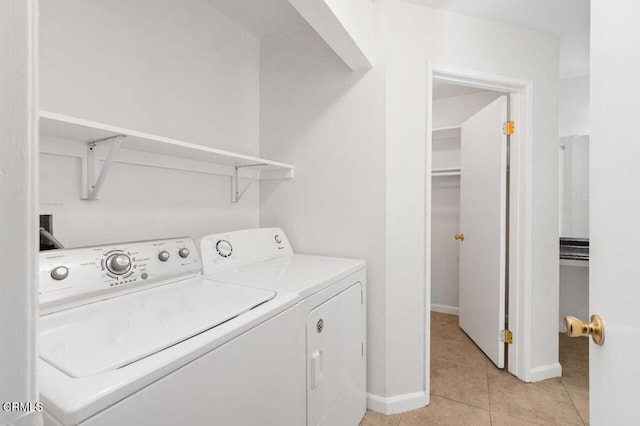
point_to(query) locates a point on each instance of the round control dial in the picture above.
(118, 264)
(60, 273)
(164, 256)
(183, 252)
(224, 248)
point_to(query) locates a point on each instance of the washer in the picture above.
(331, 313)
(131, 334)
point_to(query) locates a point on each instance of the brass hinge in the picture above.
(506, 336)
(509, 128)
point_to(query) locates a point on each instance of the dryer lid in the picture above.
(300, 274)
(113, 333)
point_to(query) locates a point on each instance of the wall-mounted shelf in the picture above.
(108, 144)
(451, 171)
(451, 132)
(573, 262)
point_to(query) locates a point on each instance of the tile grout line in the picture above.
(486, 373)
(464, 403)
(457, 364)
(572, 401)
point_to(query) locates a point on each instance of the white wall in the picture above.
(575, 186)
(419, 35)
(18, 191)
(573, 106)
(329, 122)
(176, 69)
(445, 254)
(574, 292)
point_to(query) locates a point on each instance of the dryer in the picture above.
(131, 334)
(331, 313)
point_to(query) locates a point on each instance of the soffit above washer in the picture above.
(264, 19)
(553, 16)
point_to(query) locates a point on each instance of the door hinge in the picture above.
(509, 128)
(506, 336)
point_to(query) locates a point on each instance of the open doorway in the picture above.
(469, 199)
(449, 122)
(470, 204)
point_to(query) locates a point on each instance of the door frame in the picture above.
(520, 207)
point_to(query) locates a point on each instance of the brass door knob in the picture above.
(459, 237)
(575, 327)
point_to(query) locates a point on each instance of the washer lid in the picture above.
(112, 333)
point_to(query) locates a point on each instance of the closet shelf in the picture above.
(133, 144)
(452, 171)
(450, 132)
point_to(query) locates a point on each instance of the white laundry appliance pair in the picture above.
(134, 334)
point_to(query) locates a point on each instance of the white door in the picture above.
(614, 266)
(335, 360)
(483, 224)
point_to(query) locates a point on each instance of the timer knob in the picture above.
(119, 264)
(224, 248)
(164, 256)
(183, 252)
(60, 273)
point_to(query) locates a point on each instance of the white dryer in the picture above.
(332, 313)
(131, 334)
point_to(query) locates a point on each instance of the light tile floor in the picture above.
(467, 389)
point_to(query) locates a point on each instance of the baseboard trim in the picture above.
(545, 372)
(444, 309)
(396, 404)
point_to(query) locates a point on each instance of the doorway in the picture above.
(469, 198)
(441, 167)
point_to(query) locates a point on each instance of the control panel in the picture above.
(235, 249)
(76, 276)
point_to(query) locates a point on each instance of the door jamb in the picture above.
(521, 202)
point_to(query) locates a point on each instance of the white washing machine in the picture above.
(331, 313)
(131, 334)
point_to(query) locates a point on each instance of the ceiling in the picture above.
(267, 19)
(552, 16)
(264, 19)
(443, 90)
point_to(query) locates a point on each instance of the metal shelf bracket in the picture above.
(93, 176)
(236, 193)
